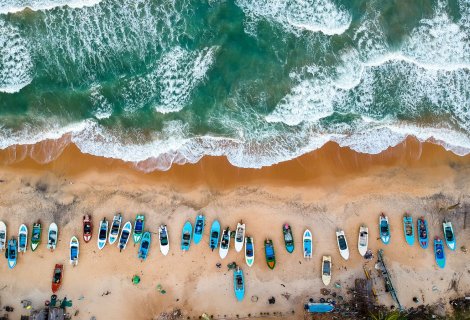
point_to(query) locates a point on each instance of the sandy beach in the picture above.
(330, 188)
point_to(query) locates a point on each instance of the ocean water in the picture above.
(256, 81)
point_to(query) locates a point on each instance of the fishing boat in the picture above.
(326, 270)
(269, 253)
(87, 228)
(115, 227)
(288, 238)
(22, 238)
(144, 246)
(186, 236)
(74, 251)
(449, 235)
(439, 252)
(125, 235)
(239, 284)
(249, 251)
(239, 237)
(198, 228)
(11, 253)
(215, 234)
(36, 236)
(384, 227)
(224, 243)
(57, 277)
(319, 307)
(3, 235)
(363, 240)
(103, 234)
(138, 228)
(52, 235)
(307, 241)
(164, 240)
(423, 236)
(409, 229)
(342, 244)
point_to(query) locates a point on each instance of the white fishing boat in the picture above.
(224, 243)
(164, 240)
(326, 270)
(74, 251)
(125, 235)
(115, 227)
(363, 240)
(239, 237)
(22, 238)
(103, 233)
(342, 244)
(52, 236)
(3, 235)
(249, 251)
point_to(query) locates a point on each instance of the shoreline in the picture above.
(329, 163)
(328, 189)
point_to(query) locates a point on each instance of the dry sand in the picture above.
(327, 189)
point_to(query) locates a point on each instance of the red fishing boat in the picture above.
(57, 277)
(87, 228)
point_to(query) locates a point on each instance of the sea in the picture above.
(256, 81)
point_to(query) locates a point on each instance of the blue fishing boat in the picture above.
(439, 252)
(319, 307)
(288, 238)
(186, 236)
(215, 234)
(423, 235)
(409, 229)
(269, 253)
(144, 245)
(239, 284)
(449, 235)
(198, 228)
(384, 227)
(11, 253)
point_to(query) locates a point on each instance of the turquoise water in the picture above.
(257, 81)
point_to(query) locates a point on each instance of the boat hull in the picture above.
(439, 253)
(409, 230)
(125, 235)
(363, 241)
(384, 229)
(198, 229)
(307, 244)
(239, 237)
(423, 235)
(187, 230)
(52, 236)
(215, 235)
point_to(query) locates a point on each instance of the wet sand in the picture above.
(327, 189)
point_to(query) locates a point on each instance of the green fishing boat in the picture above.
(36, 236)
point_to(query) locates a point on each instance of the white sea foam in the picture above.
(15, 60)
(178, 73)
(12, 6)
(296, 15)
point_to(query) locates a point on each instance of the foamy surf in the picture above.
(13, 6)
(258, 82)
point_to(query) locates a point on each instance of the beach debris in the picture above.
(81, 297)
(286, 295)
(160, 289)
(337, 285)
(106, 293)
(218, 265)
(325, 291)
(369, 255)
(232, 266)
(464, 249)
(26, 304)
(171, 315)
(272, 300)
(434, 288)
(415, 300)
(454, 283)
(282, 284)
(205, 316)
(254, 298)
(135, 279)
(9, 309)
